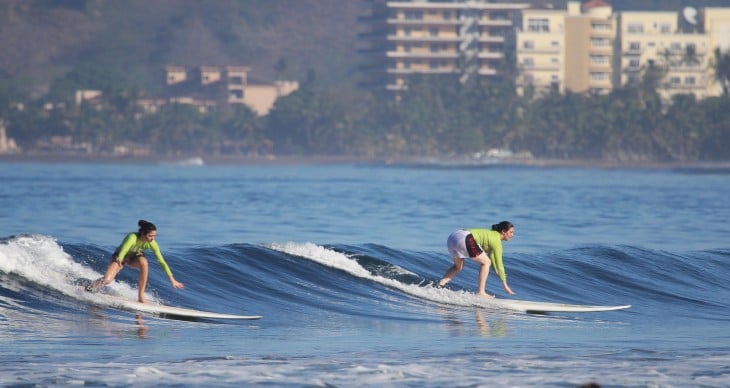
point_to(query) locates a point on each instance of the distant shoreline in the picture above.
(335, 159)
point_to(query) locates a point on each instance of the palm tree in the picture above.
(722, 70)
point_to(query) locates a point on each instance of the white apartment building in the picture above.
(590, 48)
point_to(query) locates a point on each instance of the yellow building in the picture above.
(590, 33)
(261, 98)
(589, 48)
(175, 74)
(212, 85)
(655, 38)
(541, 49)
(716, 23)
(569, 49)
(439, 38)
(237, 82)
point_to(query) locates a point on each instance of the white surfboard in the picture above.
(164, 310)
(548, 307)
(159, 309)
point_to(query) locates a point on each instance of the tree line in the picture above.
(437, 116)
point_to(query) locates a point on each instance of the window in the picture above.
(635, 28)
(600, 42)
(674, 81)
(538, 25)
(599, 59)
(665, 28)
(634, 46)
(528, 61)
(528, 44)
(413, 15)
(690, 80)
(599, 77)
(434, 31)
(600, 26)
(634, 63)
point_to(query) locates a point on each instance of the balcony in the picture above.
(490, 55)
(684, 87)
(424, 38)
(422, 22)
(495, 22)
(422, 55)
(539, 50)
(487, 71)
(490, 39)
(541, 67)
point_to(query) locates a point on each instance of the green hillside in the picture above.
(130, 41)
(133, 39)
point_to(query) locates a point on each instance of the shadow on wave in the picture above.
(295, 279)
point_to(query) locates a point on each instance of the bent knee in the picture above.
(482, 261)
(139, 262)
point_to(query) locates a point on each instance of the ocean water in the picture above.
(338, 259)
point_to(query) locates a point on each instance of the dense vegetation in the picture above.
(328, 116)
(433, 118)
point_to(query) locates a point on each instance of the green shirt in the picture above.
(491, 243)
(132, 244)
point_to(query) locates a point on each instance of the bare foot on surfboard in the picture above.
(485, 295)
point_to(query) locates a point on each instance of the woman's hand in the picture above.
(176, 284)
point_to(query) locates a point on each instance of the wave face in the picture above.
(363, 298)
(339, 261)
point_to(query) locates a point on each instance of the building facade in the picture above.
(206, 87)
(468, 39)
(590, 48)
(541, 48)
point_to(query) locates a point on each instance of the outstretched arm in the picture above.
(158, 254)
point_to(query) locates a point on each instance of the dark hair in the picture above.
(502, 226)
(145, 227)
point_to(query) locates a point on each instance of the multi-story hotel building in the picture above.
(541, 48)
(588, 47)
(568, 50)
(469, 39)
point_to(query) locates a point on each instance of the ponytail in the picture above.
(502, 226)
(145, 227)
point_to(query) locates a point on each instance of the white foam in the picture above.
(41, 260)
(371, 370)
(345, 263)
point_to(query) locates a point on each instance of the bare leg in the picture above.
(109, 275)
(455, 269)
(142, 265)
(483, 274)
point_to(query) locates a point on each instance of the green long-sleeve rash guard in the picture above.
(491, 242)
(132, 244)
